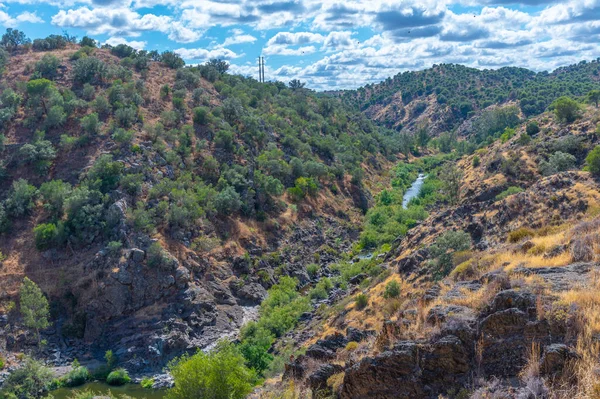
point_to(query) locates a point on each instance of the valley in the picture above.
(170, 229)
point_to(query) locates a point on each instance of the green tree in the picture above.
(451, 178)
(220, 65)
(34, 307)
(594, 96)
(28, 382)
(566, 109)
(593, 161)
(14, 38)
(218, 374)
(295, 84)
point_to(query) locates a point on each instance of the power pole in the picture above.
(259, 70)
(263, 69)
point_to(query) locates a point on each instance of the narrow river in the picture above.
(413, 191)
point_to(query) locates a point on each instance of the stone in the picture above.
(318, 380)
(137, 255)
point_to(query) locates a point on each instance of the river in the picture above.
(413, 191)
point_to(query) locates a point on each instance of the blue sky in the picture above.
(330, 44)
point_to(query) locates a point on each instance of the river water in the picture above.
(413, 191)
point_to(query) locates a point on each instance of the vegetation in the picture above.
(118, 377)
(28, 382)
(444, 248)
(220, 373)
(34, 307)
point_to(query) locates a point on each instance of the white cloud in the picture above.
(136, 44)
(12, 22)
(201, 54)
(239, 38)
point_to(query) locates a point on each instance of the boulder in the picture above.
(356, 335)
(522, 300)
(318, 380)
(555, 358)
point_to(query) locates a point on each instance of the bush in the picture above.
(532, 128)
(520, 234)
(557, 162)
(228, 201)
(87, 41)
(312, 270)
(172, 60)
(147, 383)
(27, 382)
(90, 70)
(126, 116)
(220, 373)
(444, 248)
(566, 109)
(47, 67)
(593, 161)
(118, 377)
(200, 115)
(321, 290)
(90, 124)
(361, 301)
(476, 161)
(123, 50)
(21, 198)
(508, 192)
(2, 362)
(76, 377)
(45, 235)
(392, 290)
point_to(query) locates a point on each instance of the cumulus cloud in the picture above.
(239, 38)
(201, 54)
(136, 44)
(11, 22)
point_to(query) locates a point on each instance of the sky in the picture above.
(330, 44)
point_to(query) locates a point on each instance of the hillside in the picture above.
(155, 204)
(493, 294)
(262, 231)
(447, 94)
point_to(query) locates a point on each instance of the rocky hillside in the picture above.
(446, 95)
(492, 295)
(155, 204)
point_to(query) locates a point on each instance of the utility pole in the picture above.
(259, 70)
(263, 69)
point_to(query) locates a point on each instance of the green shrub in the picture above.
(321, 290)
(2, 362)
(118, 377)
(220, 373)
(444, 248)
(147, 383)
(45, 235)
(392, 290)
(508, 192)
(593, 161)
(90, 70)
(312, 270)
(200, 115)
(557, 162)
(476, 161)
(47, 67)
(566, 109)
(76, 377)
(532, 128)
(172, 60)
(520, 234)
(90, 123)
(21, 198)
(361, 301)
(27, 382)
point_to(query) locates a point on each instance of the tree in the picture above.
(13, 38)
(422, 136)
(172, 60)
(218, 374)
(451, 178)
(220, 65)
(27, 382)
(295, 84)
(87, 41)
(566, 109)
(34, 307)
(594, 96)
(593, 161)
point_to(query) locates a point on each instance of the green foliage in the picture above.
(20, 200)
(557, 162)
(451, 178)
(87, 41)
(47, 67)
(90, 70)
(593, 161)
(118, 377)
(90, 124)
(105, 174)
(566, 109)
(392, 290)
(508, 192)
(13, 39)
(52, 42)
(444, 247)
(78, 376)
(476, 161)
(45, 235)
(147, 383)
(228, 201)
(312, 270)
(361, 301)
(200, 115)
(507, 134)
(34, 307)
(532, 128)
(27, 382)
(218, 374)
(172, 60)
(321, 290)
